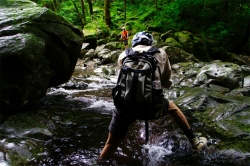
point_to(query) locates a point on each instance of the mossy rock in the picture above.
(226, 116)
(172, 42)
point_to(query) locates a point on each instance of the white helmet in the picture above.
(123, 28)
(142, 38)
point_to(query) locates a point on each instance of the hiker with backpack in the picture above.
(124, 37)
(143, 72)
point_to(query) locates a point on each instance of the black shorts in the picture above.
(125, 42)
(122, 119)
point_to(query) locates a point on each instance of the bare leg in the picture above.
(179, 117)
(197, 143)
(110, 147)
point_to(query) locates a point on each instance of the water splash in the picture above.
(2, 160)
(154, 155)
(103, 106)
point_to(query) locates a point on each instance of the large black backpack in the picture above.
(134, 91)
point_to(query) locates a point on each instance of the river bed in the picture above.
(83, 135)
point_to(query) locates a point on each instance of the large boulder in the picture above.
(225, 74)
(106, 55)
(177, 54)
(193, 45)
(38, 49)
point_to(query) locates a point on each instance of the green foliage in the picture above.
(51, 4)
(213, 19)
(68, 11)
(170, 17)
(219, 31)
(135, 26)
(147, 14)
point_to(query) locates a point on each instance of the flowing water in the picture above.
(82, 139)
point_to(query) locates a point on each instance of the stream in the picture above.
(84, 115)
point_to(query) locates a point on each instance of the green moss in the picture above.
(17, 160)
(234, 143)
(105, 71)
(172, 42)
(235, 59)
(184, 36)
(229, 121)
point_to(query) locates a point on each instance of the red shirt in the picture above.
(124, 34)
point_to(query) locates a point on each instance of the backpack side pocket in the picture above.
(116, 94)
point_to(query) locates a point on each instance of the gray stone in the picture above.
(38, 49)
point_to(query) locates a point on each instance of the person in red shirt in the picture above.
(124, 37)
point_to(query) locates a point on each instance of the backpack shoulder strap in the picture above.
(153, 50)
(129, 51)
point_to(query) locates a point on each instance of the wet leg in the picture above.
(110, 147)
(181, 120)
(179, 117)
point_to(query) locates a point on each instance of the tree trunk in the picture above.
(90, 7)
(244, 39)
(79, 14)
(107, 13)
(83, 13)
(125, 10)
(225, 9)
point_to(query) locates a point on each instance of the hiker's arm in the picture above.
(119, 62)
(166, 80)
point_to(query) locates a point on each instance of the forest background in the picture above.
(225, 22)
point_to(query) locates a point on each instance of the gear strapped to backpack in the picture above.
(134, 92)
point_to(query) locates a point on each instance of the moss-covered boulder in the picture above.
(38, 49)
(177, 54)
(219, 101)
(227, 116)
(168, 34)
(193, 45)
(172, 42)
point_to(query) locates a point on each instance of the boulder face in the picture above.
(38, 49)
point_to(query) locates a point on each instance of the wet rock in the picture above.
(184, 73)
(25, 125)
(106, 55)
(240, 92)
(38, 49)
(220, 73)
(226, 115)
(91, 39)
(84, 50)
(90, 54)
(74, 84)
